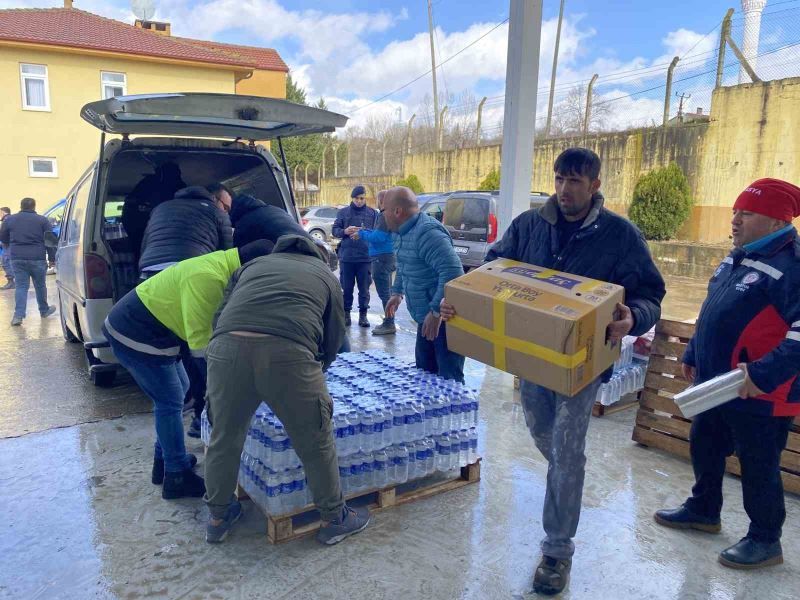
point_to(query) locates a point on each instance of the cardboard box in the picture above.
(540, 324)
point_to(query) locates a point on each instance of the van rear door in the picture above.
(209, 115)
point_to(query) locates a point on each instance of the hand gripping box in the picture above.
(540, 324)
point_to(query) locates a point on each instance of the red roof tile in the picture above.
(80, 29)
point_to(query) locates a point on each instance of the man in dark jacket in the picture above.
(23, 234)
(253, 219)
(189, 225)
(4, 213)
(751, 321)
(280, 325)
(573, 233)
(355, 262)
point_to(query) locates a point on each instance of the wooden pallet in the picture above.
(659, 421)
(627, 401)
(306, 521)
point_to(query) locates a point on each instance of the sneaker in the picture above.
(362, 320)
(50, 310)
(51, 270)
(217, 533)
(185, 484)
(194, 428)
(16, 321)
(351, 521)
(157, 476)
(347, 320)
(385, 328)
(552, 576)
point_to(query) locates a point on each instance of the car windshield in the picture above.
(467, 213)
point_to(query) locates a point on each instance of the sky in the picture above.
(354, 52)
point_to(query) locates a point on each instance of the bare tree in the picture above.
(569, 113)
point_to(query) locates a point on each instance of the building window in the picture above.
(35, 90)
(113, 84)
(40, 166)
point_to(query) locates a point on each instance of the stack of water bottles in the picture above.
(628, 376)
(392, 423)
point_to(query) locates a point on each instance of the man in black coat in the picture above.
(254, 219)
(189, 225)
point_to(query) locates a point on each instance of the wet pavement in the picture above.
(79, 518)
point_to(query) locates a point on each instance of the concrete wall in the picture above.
(74, 80)
(336, 190)
(752, 134)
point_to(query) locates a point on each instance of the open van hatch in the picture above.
(209, 115)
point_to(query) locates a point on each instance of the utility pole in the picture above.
(683, 97)
(436, 136)
(553, 74)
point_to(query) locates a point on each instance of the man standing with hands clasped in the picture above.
(573, 233)
(750, 320)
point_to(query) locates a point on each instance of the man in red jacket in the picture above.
(751, 321)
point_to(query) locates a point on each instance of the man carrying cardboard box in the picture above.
(573, 233)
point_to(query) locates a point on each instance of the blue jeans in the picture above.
(7, 265)
(758, 441)
(24, 271)
(434, 356)
(382, 268)
(558, 425)
(164, 380)
(349, 274)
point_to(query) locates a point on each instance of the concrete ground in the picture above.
(79, 518)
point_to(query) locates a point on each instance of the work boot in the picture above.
(385, 328)
(9, 285)
(16, 321)
(747, 553)
(347, 320)
(351, 521)
(362, 319)
(552, 575)
(157, 476)
(215, 534)
(683, 518)
(50, 310)
(185, 484)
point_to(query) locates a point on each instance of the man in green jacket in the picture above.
(165, 320)
(279, 327)
(426, 261)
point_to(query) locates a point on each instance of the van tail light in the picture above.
(98, 278)
(492, 236)
(304, 221)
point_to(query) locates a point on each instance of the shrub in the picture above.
(411, 182)
(661, 203)
(491, 181)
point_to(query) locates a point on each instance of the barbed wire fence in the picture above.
(663, 93)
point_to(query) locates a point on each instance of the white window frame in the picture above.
(46, 78)
(103, 84)
(53, 161)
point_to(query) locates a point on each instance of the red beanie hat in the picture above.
(772, 198)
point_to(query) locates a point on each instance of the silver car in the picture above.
(200, 134)
(318, 222)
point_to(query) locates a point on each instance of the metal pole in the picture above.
(553, 74)
(348, 158)
(723, 37)
(383, 157)
(366, 147)
(478, 126)
(294, 178)
(319, 184)
(433, 74)
(441, 127)
(408, 133)
(744, 63)
(305, 183)
(322, 164)
(336, 160)
(286, 172)
(588, 115)
(668, 93)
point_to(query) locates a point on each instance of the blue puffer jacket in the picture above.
(426, 261)
(379, 240)
(350, 250)
(606, 247)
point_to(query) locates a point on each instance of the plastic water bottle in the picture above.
(413, 469)
(398, 423)
(345, 476)
(456, 410)
(401, 463)
(367, 472)
(446, 413)
(356, 471)
(430, 456)
(409, 421)
(387, 437)
(367, 431)
(420, 450)
(443, 452)
(279, 446)
(430, 414)
(380, 468)
(353, 428)
(273, 492)
(463, 451)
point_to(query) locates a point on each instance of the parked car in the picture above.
(95, 261)
(55, 214)
(471, 218)
(433, 204)
(318, 222)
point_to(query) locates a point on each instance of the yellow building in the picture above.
(53, 61)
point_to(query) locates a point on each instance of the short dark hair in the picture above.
(5, 209)
(578, 161)
(215, 188)
(27, 204)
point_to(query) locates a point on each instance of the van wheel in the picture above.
(103, 379)
(68, 335)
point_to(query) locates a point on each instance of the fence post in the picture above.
(478, 125)
(408, 133)
(305, 184)
(366, 147)
(588, 115)
(322, 164)
(668, 94)
(348, 159)
(383, 156)
(336, 160)
(441, 128)
(723, 37)
(319, 184)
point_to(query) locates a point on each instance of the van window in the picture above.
(467, 214)
(77, 211)
(327, 213)
(435, 210)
